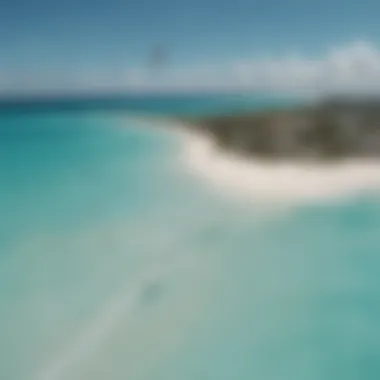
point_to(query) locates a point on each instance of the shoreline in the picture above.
(286, 182)
(281, 182)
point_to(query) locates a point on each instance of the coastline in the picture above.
(281, 182)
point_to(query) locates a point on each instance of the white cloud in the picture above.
(351, 68)
(354, 67)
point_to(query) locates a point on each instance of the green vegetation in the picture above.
(329, 130)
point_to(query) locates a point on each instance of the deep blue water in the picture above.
(116, 262)
(159, 104)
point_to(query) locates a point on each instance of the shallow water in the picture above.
(119, 262)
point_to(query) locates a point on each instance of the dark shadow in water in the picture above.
(151, 292)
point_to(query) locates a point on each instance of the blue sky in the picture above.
(55, 45)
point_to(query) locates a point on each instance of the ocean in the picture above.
(129, 253)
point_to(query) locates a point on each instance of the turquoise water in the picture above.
(117, 262)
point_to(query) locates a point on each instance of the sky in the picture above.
(103, 45)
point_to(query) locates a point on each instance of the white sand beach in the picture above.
(285, 182)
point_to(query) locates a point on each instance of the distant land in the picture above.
(267, 128)
(332, 129)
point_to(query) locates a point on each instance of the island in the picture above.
(331, 129)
